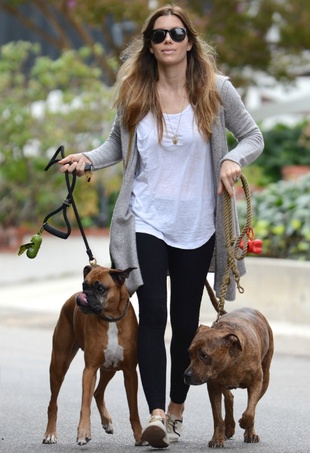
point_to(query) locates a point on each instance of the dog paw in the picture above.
(246, 421)
(50, 439)
(216, 443)
(83, 440)
(229, 431)
(108, 428)
(250, 437)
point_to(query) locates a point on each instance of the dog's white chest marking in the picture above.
(114, 353)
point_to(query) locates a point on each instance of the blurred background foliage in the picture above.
(284, 146)
(249, 35)
(59, 102)
(56, 88)
(281, 218)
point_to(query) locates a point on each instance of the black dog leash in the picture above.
(33, 246)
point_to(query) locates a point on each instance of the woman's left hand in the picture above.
(229, 174)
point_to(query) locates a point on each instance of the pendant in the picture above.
(175, 140)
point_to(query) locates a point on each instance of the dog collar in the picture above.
(118, 318)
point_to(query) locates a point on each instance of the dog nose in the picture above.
(187, 375)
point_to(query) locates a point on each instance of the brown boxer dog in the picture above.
(102, 322)
(235, 352)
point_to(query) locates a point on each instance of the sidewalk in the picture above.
(32, 291)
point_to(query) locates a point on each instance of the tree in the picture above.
(268, 36)
(63, 100)
(254, 37)
(293, 22)
(67, 24)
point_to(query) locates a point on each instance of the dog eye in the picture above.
(100, 288)
(205, 357)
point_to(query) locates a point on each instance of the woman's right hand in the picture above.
(74, 162)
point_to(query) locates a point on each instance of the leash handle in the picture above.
(52, 230)
(60, 234)
(54, 160)
(67, 202)
(33, 246)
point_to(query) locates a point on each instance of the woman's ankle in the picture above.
(158, 412)
(176, 409)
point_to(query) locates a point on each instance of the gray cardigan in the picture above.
(232, 116)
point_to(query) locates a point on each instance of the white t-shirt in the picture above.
(173, 195)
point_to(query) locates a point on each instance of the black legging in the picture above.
(187, 270)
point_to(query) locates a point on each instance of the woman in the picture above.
(173, 108)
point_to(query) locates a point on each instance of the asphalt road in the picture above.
(31, 294)
(282, 418)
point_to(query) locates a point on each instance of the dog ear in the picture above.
(233, 341)
(86, 270)
(202, 328)
(120, 276)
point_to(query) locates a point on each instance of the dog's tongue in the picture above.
(82, 299)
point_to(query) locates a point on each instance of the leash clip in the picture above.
(67, 202)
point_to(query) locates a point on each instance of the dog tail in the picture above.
(213, 298)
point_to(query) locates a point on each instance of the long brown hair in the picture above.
(136, 93)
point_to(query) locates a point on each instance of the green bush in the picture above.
(281, 218)
(53, 103)
(284, 145)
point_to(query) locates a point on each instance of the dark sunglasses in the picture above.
(177, 34)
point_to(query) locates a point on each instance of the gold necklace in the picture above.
(175, 138)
